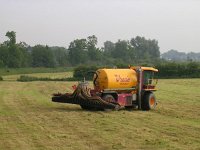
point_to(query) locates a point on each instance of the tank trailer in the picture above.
(115, 89)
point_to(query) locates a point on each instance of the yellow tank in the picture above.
(115, 79)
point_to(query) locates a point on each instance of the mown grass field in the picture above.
(13, 71)
(29, 120)
(40, 75)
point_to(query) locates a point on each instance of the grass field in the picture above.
(13, 71)
(29, 120)
(40, 75)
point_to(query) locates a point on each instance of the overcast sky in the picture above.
(174, 23)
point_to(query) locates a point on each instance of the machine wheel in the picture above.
(149, 101)
(130, 107)
(109, 98)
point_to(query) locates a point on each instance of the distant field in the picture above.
(41, 75)
(14, 71)
(29, 120)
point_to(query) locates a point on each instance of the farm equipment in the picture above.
(115, 89)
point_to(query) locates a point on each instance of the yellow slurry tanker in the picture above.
(115, 89)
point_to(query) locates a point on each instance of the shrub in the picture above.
(1, 78)
(122, 65)
(178, 70)
(84, 71)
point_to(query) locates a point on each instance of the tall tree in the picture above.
(123, 51)
(109, 47)
(42, 56)
(12, 37)
(145, 49)
(78, 51)
(61, 55)
(94, 53)
(4, 55)
(15, 55)
(25, 54)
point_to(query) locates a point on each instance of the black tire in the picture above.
(109, 98)
(130, 107)
(148, 101)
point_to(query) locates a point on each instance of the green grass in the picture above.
(25, 78)
(29, 120)
(40, 75)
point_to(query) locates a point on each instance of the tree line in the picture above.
(85, 52)
(80, 51)
(174, 55)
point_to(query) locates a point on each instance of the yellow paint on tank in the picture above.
(116, 79)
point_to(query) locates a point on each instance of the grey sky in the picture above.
(174, 23)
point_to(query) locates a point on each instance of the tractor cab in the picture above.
(148, 78)
(146, 86)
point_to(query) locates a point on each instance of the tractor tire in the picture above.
(149, 101)
(109, 98)
(130, 107)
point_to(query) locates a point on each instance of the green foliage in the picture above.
(145, 49)
(138, 51)
(1, 63)
(12, 37)
(179, 70)
(84, 51)
(13, 52)
(61, 56)
(108, 48)
(13, 55)
(84, 71)
(42, 56)
(123, 51)
(1, 78)
(77, 51)
(122, 65)
(80, 51)
(4, 54)
(94, 53)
